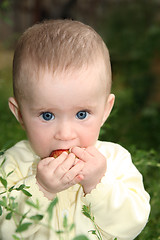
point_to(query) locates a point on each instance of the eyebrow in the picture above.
(54, 108)
(85, 106)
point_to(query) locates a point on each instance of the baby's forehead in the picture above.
(86, 76)
(34, 73)
(91, 77)
(97, 68)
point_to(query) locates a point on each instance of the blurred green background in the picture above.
(131, 30)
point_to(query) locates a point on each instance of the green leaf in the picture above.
(23, 227)
(72, 226)
(3, 192)
(37, 217)
(12, 198)
(13, 203)
(11, 188)
(81, 237)
(32, 204)
(26, 193)
(1, 211)
(4, 182)
(1, 153)
(9, 215)
(86, 211)
(87, 215)
(20, 187)
(23, 217)
(59, 232)
(65, 221)
(10, 173)
(3, 160)
(93, 232)
(50, 208)
(15, 237)
(4, 199)
(2, 203)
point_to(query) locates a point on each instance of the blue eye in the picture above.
(47, 116)
(82, 115)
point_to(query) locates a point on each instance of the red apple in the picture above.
(58, 152)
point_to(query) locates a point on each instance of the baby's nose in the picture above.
(65, 132)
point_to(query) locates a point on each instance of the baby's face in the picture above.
(65, 110)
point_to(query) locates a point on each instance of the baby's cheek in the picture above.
(90, 140)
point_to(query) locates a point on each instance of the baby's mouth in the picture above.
(56, 153)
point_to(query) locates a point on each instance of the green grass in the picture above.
(148, 163)
(10, 130)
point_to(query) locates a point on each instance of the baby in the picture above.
(62, 97)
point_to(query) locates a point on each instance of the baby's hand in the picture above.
(55, 175)
(94, 166)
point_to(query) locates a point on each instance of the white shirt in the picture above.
(119, 204)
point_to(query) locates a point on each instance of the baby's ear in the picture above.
(13, 105)
(108, 107)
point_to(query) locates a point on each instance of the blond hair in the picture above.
(57, 45)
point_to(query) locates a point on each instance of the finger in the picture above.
(81, 153)
(93, 151)
(96, 154)
(90, 151)
(78, 178)
(58, 161)
(65, 166)
(45, 161)
(70, 176)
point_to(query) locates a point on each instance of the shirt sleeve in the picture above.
(22, 162)
(119, 203)
(18, 161)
